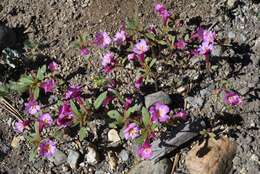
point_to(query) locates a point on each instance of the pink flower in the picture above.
(163, 12)
(108, 62)
(128, 103)
(84, 52)
(183, 115)
(74, 91)
(232, 98)
(141, 47)
(102, 39)
(20, 125)
(145, 151)
(132, 131)
(204, 35)
(139, 82)
(32, 107)
(180, 44)
(131, 57)
(45, 120)
(66, 116)
(107, 101)
(53, 66)
(205, 48)
(48, 85)
(159, 112)
(120, 37)
(47, 148)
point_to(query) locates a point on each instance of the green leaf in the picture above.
(146, 116)
(83, 133)
(154, 126)
(33, 154)
(4, 90)
(113, 125)
(152, 62)
(115, 115)
(161, 42)
(98, 102)
(186, 37)
(150, 36)
(131, 110)
(131, 24)
(74, 108)
(40, 73)
(36, 92)
(142, 138)
(172, 38)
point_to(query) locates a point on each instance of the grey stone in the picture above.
(148, 167)
(157, 97)
(73, 159)
(231, 3)
(217, 51)
(124, 155)
(92, 156)
(7, 37)
(231, 35)
(195, 102)
(59, 158)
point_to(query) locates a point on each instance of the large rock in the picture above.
(163, 166)
(157, 97)
(73, 158)
(214, 157)
(59, 158)
(92, 156)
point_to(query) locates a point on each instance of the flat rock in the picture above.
(149, 167)
(215, 157)
(157, 97)
(73, 158)
(59, 158)
(92, 156)
(113, 136)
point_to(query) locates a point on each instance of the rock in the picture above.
(195, 102)
(214, 158)
(15, 141)
(112, 160)
(155, 97)
(124, 155)
(92, 157)
(217, 51)
(58, 158)
(231, 3)
(113, 136)
(73, 159)
(231, 35)
(4, 148)
(7, 37)
(148, 167)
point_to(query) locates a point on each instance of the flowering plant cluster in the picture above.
(132, 44)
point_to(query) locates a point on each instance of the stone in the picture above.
(163, 166)
(92, 156)
(217, 51)
(195, 102)
(113, 136)
(15, 141)
(214, 157)
(58, 158)
(73, 158)
(231, 3)
(157, 97)
(112, 160)
(231, 35)
(7, 37)
(124, 155)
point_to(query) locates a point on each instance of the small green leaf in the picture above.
(131, 110)
(74, 108)
(161, 42)
(186, 37)
(141, 139)
(40, 73)
(98, 102)
(115, 115)
(146, 116)
(113, 125)
(32, 155)
(152, 62)
(172, 38)
(150, 36)
(83, 133)
(154, 126)
(36, 92)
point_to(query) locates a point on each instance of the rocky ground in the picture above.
(56, 24)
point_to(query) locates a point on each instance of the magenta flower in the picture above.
(128, 103)
(131, 57)
(32, 107)
(20, 125)
(66, 116)
(108, 62)
(204, 35)
(120, 37)
(180, 44)
(205, 48)
(141, 47)
(232, 98)
(48, 85)
(145, 151)
(139, 82)
(102, 39)
(53, 66)
(107, 101)
(182, 115)
(163, 12)
(84, 52)
(74, 91)
(132, 131)
(47, 148)
(159, 112)
(45, 120)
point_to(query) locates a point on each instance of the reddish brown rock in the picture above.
(211, 157)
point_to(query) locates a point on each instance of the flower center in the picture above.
(47, 148)
(132, 132)
(147, 150)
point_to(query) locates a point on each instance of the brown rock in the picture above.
(211, 157)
